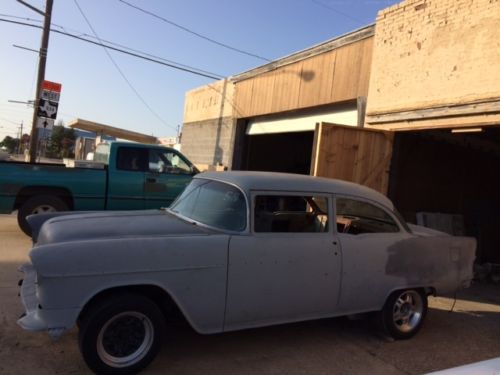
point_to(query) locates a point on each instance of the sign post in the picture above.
(44, 46)
(48, 103)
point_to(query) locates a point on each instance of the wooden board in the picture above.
(353, 154)
(331, 77)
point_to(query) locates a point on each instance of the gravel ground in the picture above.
(468, 334)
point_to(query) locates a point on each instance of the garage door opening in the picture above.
(452, 179)
(280, 152)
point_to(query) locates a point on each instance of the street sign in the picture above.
(47, 109)
(51, 86)
(50, 96)
(44, 123)
(49, 100)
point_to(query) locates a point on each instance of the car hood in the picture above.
(119, 224)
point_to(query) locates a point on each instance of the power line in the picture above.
(11, 122)
(173, 65)
(193, 32)
(82, 34)
(336, 11)
(145, 53)
(139, 96)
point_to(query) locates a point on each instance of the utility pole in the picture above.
(41, 71)
(20, 138)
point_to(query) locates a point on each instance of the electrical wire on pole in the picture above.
(67, 31)
(188, 30)
(42, 61)
(120, 71)
(157, 60)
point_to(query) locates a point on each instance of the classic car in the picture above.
(236, 250)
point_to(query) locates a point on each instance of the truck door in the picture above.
(126, 179)
(167, 175)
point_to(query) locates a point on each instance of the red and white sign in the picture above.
(51, 86)
(49, 99)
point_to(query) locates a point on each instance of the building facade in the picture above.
(409, 106)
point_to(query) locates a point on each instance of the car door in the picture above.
(167, 175)
(288, 267)
(126, 180)
(367, 232)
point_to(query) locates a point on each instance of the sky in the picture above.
(150, 99)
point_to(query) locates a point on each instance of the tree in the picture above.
(61, 143)
(10, 144)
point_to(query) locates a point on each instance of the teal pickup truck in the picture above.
(122, 176)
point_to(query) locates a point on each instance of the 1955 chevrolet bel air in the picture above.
(236, 250)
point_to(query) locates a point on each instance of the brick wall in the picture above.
(431, 53)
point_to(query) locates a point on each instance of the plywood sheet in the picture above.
(334, 76)
(353, 154)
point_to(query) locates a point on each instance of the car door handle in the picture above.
(150, 179)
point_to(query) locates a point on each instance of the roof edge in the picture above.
(337, 42)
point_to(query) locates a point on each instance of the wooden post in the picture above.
(41, 76)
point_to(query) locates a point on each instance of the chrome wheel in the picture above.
(125, 339)
(408, 311)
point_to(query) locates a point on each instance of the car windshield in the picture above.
(212, 203)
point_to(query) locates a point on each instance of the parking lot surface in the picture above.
(468, 334)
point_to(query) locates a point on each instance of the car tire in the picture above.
(403, 313)
(36, 205)
(121, 334)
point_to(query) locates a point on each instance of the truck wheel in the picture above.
(121, 335)
(37, 205)
(403, 313)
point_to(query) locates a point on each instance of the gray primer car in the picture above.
(236, 250)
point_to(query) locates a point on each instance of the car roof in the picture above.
(249, 180)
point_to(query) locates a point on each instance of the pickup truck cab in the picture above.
(122, 176)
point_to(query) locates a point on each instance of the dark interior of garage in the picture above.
(438, 171)
(281, 152)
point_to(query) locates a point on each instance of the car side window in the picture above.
(290, 214)
(131, 159)
(358, 217)
(161, 161)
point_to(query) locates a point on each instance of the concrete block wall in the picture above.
(209, 142)
(431, 53)
(209, 126)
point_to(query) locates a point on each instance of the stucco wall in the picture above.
(431, 53)
(208, 102)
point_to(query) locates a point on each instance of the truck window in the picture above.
(167, 161)
(131, 159)
(101, 153)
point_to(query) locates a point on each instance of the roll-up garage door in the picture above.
(347, 115)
